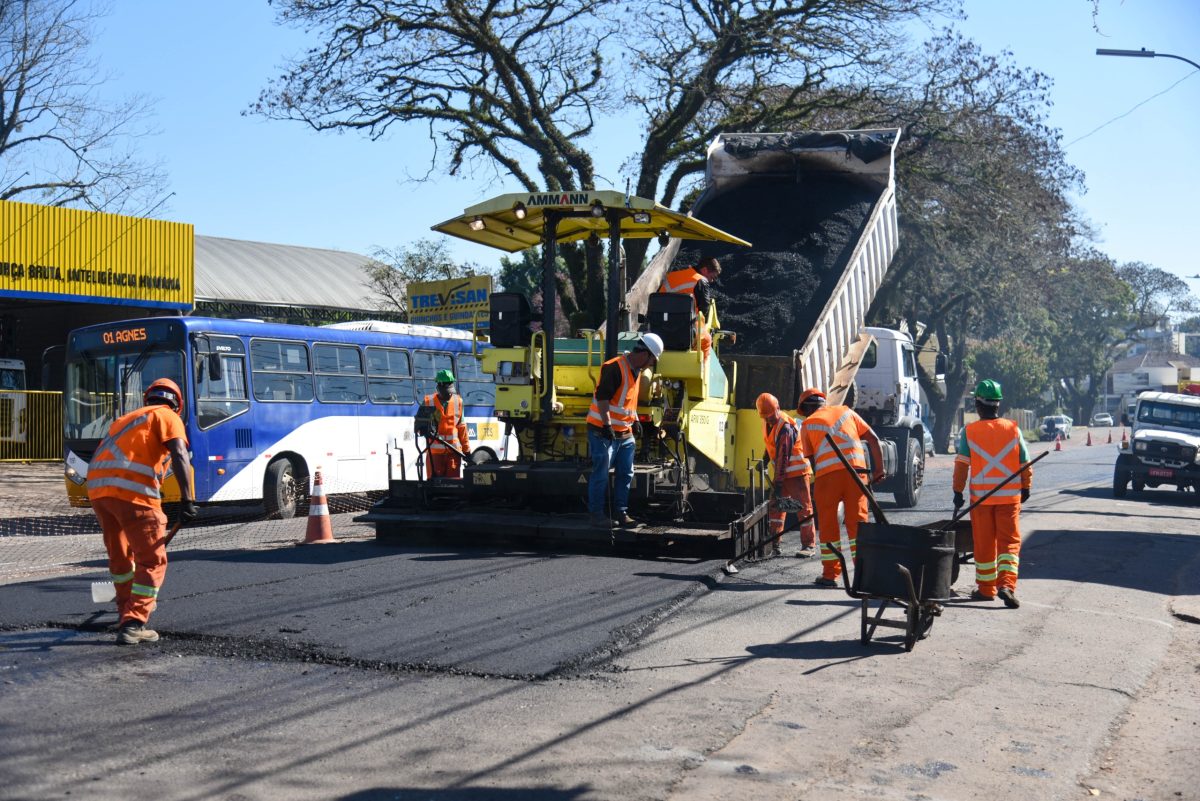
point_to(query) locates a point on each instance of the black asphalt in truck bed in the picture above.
(472, 610)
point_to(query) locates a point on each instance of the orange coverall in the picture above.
(441, 461)
(792, 475)
(832, 483)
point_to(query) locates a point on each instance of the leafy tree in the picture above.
(515, 87)
(60, 143)
(393, 269)
(1020, 366)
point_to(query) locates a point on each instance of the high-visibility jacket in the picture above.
(132, 461)
(996, 449)
(793, 464)
(683, 282)
(847, 429)
(450, 424)
(622, 406)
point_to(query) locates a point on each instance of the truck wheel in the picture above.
(912, 475)
(1139, 486)
(282, 492)
(1120, 480)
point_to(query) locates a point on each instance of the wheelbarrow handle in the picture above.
(875, 507)
(960, 515)
(171, 534)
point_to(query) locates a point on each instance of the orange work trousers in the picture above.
(443, 464)
(833, 488)
(137, 555)
(792, 488)
(997, 540)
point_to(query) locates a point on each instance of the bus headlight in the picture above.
(73, 476)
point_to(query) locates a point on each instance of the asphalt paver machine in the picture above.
(699, 486)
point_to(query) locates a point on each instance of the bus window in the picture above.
(474, 385)
(220, 397)
(425, 368)
(389, 376)
(339, 374)
(280, 370)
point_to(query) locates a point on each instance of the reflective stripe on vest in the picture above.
(848, 443)
(681, 282)
(990, 470)
(794, 465)
(622, 407)
(448, 418)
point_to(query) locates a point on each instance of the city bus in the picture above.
(268, 405)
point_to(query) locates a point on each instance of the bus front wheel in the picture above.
(281, 490)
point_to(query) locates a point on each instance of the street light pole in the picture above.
(1143, 53)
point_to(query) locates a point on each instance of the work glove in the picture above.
(878, 477)
(637, 429)
(186, 513)
(1024, 494)
(607, 433)
(958, 501)
(763, 462)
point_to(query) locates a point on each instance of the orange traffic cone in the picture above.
(1089, 441)
(1058, 442)
(1124, 437)
(319, 529)
(1110, 436)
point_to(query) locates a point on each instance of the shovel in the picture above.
(105, 591)
(875, 508)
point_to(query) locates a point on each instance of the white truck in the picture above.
(13, 414)
(1164, 449)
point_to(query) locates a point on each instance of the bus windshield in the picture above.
(101, 388)
(12, 378)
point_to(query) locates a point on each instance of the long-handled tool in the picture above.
(875, 508)
(960, 515)
(105, 591)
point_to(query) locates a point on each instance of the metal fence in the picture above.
(31, 426)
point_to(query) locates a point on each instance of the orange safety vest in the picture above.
(449, 424)
(794, 465)
(847, 429)
(132, 461)
(995, 455)
(682, 282)
(622, 406)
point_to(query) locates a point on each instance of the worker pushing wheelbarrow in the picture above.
(912, 567)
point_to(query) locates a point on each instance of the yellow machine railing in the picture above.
(31, 426)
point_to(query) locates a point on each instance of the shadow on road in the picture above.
(469, 794)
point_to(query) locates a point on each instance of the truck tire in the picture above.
(1120, 481)
(912, 475)
(1138, 486)
(282, 492)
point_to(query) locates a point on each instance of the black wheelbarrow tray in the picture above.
(908, 566)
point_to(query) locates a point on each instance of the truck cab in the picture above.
(13, 421)
(1165, 446)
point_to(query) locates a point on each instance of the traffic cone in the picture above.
(1110, 436)
(1124, 437)
(1089, 441)
(319, 529)
(1058, 442)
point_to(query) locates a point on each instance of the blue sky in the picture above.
(247, 178)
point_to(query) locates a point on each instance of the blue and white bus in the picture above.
(267, 405)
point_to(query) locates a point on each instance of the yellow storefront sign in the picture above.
(454, 303)
(48, 252)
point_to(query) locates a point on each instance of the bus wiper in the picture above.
(135, 365)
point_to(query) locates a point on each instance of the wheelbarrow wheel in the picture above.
(911, 632)
(926, 623)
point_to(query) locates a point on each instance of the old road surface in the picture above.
(358, 671)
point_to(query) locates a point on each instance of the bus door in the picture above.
(224, 446)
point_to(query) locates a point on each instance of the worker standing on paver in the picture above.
(610, 423)
(781, 437)
(833, 485)
(449, 426)
(697, 282)
(992, 449)
(125, 489)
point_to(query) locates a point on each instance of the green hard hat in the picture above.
(989, 390)
(444, 377)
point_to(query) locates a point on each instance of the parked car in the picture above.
(1053, 426)
(1101, 420)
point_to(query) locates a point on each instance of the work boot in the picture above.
(1009, 597)
(133, 632)
(821, 581)
(806, 552)
(976, 595)
(625, 521)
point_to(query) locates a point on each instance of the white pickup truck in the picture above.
(1165, 446)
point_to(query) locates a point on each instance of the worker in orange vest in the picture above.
(833, 485)
(449, 425)
(697, 282)
(991, 449)
(781, 438)
(125, 489)
(611, 421)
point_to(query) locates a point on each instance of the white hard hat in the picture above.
(652, 343)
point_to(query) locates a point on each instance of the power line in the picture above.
(1135, 108)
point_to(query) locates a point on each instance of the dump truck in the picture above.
(699, 478)
(1164, 448)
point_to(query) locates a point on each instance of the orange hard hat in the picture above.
(164, 389)
(767, 405)
(809, 394)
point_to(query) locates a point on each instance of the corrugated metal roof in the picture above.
(1155, 358)
(237, 271)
